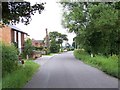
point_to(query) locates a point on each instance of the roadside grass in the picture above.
(20, 77)
(108, 65)
(0, 84)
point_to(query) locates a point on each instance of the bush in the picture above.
(9, 59)
(28, 49)
(108, 65)
(20, 77)
(54, 48)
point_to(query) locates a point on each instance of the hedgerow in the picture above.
(9, 59)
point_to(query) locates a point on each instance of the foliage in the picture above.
(108, 65)
(117, 5)
(56, 41)
(54, 47)
(59, 41)
(20, 77)
(73, 17)
(9, 59)
(67, 45)
(96, 26)
(54, 35)
(39, 48)
(59, 37)
(47, 50)
(15, 12)
(28, 48)
(73, 44)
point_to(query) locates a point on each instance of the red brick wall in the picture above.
(5, 34)
(37, 44)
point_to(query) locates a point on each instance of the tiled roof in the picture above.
(41, 41)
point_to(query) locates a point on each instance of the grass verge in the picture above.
(19, 78)
(108, 65)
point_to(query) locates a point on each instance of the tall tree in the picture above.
(58, 37)
(62, 37)
(54, 35)
(54, 47)
(73, 17)
(28, 48)
(98, 30)
(56, 40)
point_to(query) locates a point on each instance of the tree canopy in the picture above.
(96, 24)
(15, 12)
(28, 48)
(56, 40)
(58, 37)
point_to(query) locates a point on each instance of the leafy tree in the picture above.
(58, 37)
(96, 26)
(56, 40)
(74, 18)
(54, 35)
(28, 48)
(103, 18)
(54, 47)
(59, 41)
(61, 38)
(73, 44)
(15, 12)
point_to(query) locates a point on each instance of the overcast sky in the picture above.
(50, 18)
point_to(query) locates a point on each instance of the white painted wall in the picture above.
(19, 42)
(15, 36)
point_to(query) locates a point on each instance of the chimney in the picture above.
(47, 39)
(46, 32)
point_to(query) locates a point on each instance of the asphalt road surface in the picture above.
(64, 71)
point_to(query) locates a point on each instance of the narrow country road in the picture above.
(64, 71)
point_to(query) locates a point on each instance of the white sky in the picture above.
(50, 18)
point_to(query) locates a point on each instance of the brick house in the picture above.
(11, 34)
(38, 43)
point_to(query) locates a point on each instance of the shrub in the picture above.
(9, 59)
(28, 49)
(54, 48)
(20, 77)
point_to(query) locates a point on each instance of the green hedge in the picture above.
(9, 59)
(108, 65)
